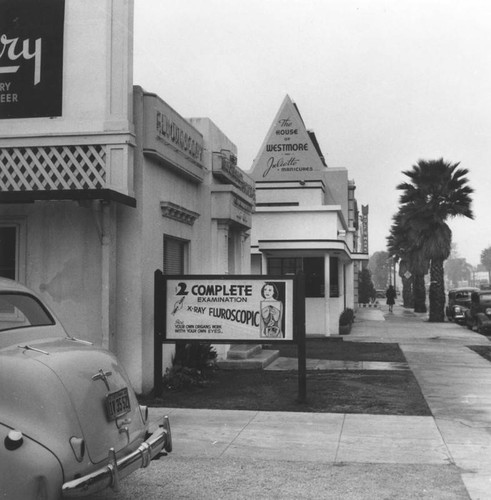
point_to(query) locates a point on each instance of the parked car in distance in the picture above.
(478, 316)
(70, 422)
(459, 300)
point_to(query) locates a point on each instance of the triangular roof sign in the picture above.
(288, 151)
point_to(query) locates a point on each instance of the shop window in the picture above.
(334, 277)
(175, 251)
(283, 265)
(313, 267)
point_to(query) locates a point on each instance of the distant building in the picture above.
(307, 219)
(481, 278)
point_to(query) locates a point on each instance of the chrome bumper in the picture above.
(116, 469)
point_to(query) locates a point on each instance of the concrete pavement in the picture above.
(455, 381)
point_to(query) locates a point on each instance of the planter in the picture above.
(344, 329)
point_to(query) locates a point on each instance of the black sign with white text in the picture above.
(31, 58)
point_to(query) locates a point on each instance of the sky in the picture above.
(382, 83)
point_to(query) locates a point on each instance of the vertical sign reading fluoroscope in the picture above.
(31, 58)
(222, 309)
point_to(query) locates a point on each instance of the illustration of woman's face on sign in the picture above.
(269, 291)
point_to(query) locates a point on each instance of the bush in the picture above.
(195, 355)
(366, 289)
(346, 317)
(191, 365)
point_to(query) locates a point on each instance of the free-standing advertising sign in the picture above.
(230, 309)
(31, 58)
(224, 309)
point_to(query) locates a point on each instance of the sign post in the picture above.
(300, 336)
(159, 326)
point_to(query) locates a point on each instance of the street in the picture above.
(242, 478)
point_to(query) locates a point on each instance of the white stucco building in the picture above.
(104, 183)
(306, 219)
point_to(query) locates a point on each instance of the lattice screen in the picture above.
(52, 168)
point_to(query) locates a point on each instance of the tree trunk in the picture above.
(407, 284)
(407, 292)
(437, 292)
(419, 293)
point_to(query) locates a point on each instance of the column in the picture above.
(221, 257)
(327, 281)
(264, 264)
(341, 284)
(350, 284)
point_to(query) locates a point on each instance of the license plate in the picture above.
(117, 404)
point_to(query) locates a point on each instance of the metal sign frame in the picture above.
(167, 301)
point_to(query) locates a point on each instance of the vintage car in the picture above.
(70, 423)
(459, 300)
(478, 316)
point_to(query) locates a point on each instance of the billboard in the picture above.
(231, 308)
(31, 58)
(288, 152)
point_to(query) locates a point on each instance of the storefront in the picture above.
(306, 219)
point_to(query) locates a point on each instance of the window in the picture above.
(8, 252)
(278, 266)
(334, 277)
(174, 255)
(19, 310)
(313, 267)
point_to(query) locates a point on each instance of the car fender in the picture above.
(483, 319)
(29, 472)
(63, 399)
(34, 401)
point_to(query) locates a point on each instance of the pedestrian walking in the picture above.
(391, 295)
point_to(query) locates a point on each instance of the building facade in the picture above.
(107, 183)
(306, 219)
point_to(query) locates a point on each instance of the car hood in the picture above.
(49, 392)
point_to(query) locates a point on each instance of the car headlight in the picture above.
(457, 309)
(488, 311)
(14, 440)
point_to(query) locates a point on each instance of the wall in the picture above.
(336, 180)
(293, 223)
(312, 194)
(141, 232)
(63, 260)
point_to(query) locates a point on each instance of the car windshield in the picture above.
(19, 310)
(485, 297)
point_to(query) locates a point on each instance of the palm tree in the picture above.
(403, 243)
(437, 191)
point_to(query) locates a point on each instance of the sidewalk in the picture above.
(453, 445)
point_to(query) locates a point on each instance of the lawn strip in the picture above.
(383, 392)
(345, 351)
(482, 350)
